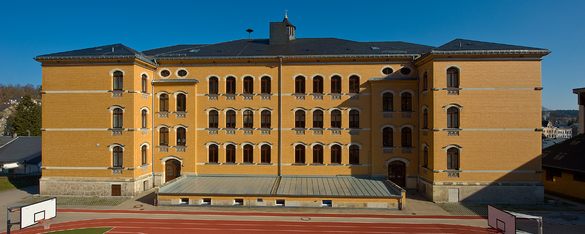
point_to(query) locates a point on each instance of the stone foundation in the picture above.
(89, 186)
(483, 192)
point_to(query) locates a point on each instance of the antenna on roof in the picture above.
(250, 31)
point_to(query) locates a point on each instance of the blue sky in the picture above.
(31, 28)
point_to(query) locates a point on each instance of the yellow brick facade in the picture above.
(497, 142)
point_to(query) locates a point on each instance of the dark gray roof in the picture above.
(299, 47)
(21, 149)
(105, 52)
(566, 155)
(5, 139)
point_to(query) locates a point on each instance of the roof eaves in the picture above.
(475, 52)
(137, 56)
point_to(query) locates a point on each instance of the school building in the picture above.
(289, 121)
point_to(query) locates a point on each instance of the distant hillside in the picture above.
(567, 113)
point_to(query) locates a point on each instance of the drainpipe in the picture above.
(152, 122)
(417, 122)
(280, 116)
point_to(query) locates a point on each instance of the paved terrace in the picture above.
(338, 186)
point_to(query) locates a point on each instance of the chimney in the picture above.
(277, 33)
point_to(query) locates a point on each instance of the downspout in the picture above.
(417, 122)
(152, 123)
(280, 116)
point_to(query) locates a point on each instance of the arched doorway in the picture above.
(397, 173)
(172, 169)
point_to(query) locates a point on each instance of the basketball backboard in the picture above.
(31, 214)
(502, 220)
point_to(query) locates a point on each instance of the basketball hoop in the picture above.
(46, 223)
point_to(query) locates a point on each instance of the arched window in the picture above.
(164, 136)
(336, 119)
(144, 119)
(452, 117)
(164, 103)
(230, 85)
(144, 154)
(248, 154)
(265, 118)
(299, 154)
(213, 154)
(318, 154)
(336, 154)
(230, 119)
(387, 102)
(318, 119)
(118, 155)
(317, 84)
(181, 136)
(300, 84)
(213, 119)
(299, 119)
(144, 83)
(230, 154)
(248, 85)
(354, 84)
(453, 77)
(426, 157)
(265, 154)
(387, 137)
(406, 137)
(354, 119)
(118, 80)
(181, 102)
(354, 154)
(336, 84)
(265, 86)
(425, 81)
(248, 119)
(425, 118)
(118, 118)
(213, 85)
(453, 159)
(406, 101)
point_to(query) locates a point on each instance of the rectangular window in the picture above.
(206, 201)
(238, 202)
(327, 203)
(185, 201)
(280, 202)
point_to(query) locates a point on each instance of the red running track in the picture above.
(179, 226)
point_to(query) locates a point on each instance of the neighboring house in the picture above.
(257, 117)
(556, 130)
(563, 131)
(564, 163)
(5, 111)
(21, 156)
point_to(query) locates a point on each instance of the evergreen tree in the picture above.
(27, 116)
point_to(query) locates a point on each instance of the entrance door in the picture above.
(116, 190)
(397, 173)
(172, 170)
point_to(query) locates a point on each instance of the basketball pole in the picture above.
(8, 223)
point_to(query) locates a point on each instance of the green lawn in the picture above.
(20, 182)
(99, 230)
